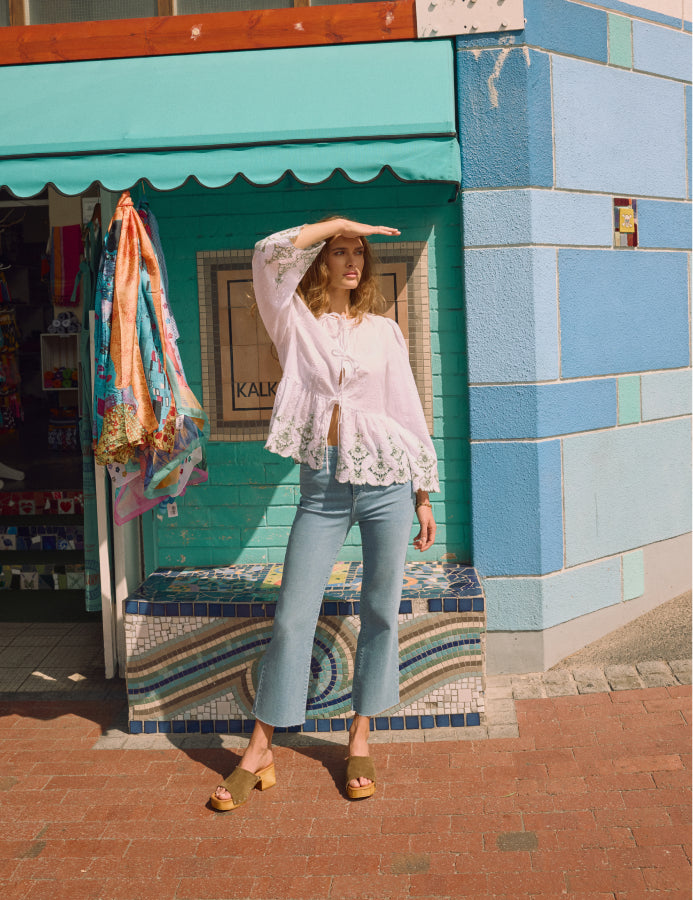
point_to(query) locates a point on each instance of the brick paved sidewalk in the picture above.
(591, 800)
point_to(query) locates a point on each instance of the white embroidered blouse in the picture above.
(361, 366)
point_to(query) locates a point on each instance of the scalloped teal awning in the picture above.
(214, 117)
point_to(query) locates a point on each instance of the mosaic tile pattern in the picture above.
(48, 577)
(251, 590)
(625, 222)
(33, 503)
(190, 671)
(41, 537)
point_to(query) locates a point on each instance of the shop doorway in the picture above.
(42, 576)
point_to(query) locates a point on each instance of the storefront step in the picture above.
(194, 638)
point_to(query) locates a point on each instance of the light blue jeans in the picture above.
(326, 512)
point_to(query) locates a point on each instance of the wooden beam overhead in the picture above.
(391, 20)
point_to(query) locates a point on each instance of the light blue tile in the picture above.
(512, 327)
(589, 101)
(629, 400)
(689, 135)
(495, 218)
(517, 514)
(609, 322)
(526, 411)
(666, 394)
(532, 604)
(661, 50)
(626, 488)
(504, 100)
(664, 224)
(633, 575)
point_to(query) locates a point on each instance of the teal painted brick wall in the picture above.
(244, 513)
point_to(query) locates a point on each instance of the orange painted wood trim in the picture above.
(392, 20)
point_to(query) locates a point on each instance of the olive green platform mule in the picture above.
(240, 783)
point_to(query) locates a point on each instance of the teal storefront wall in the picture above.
(244, 513)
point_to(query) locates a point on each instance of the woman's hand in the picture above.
(427, 530)
(324, 231)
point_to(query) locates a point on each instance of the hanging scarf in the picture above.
(148, 426)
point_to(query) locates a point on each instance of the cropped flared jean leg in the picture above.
(326, 512)
(385, 517)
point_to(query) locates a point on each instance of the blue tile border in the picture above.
(310, 726)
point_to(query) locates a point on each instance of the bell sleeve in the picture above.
(278, 267)
(404, 408)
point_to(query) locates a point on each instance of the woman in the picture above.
(348, 410)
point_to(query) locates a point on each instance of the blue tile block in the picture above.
(478, 604)
(131, 607)
(356, 607)
(450, 604)
(164, 728)
(331, 608)
(397, 723)
(228, 611)
(248, 725)
(207, 727)
(544, 410)
(192, 727)
(427, 722)
(257, 610)
(505, 118)
(150, 727)
(214, 610)
(345, 608)
(172, 609)
(235, 726)
(309, 725)
(158, 609)
(323, 724)
(337, 724)
(588, 102)
(664, 224)
(145, 608)
(136, 728)
(280, 730)
(293, 729)
(662, 51)
(464, 604)
(524, 481)
(442, 721)
(457, 720)
(405, 607)
(178, 726)
(411, 722)
(243, 610)
(473, 719)
(382, 723)
(435, 604)
(186, 609)
(221, 726)
(200, 609)
(566, 28)
(609, 323)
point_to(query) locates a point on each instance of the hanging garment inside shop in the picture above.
(148, 427)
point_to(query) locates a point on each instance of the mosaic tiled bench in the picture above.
(194, 638)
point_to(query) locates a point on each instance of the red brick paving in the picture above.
(597, 788)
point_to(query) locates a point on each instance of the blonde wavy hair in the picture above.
(365, 298)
